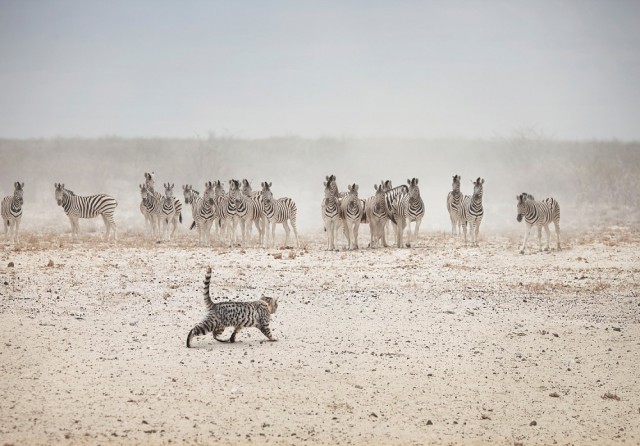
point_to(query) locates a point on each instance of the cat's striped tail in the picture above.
(205, 290)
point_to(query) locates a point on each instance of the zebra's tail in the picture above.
(180, 217)
(193, 225)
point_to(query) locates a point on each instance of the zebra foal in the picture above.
(454, 201)
(11, 210)
(471, 211)
(76, 207)
(538, 213)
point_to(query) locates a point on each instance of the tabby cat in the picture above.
(233, 314)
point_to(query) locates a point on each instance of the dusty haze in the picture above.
(594, 182)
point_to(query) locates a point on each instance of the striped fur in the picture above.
(11, 211)
(248, 211)
(77, 207)
(281, 210)
(472, 211)
(233, 314)
(376, 212)
(407, 208)
(227, 210)
(454, 203)
(352, 213)
(540, 214)
(171, 210)
(330, 214)
(256, 196)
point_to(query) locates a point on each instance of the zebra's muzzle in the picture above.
(59, 202)
(519, 218)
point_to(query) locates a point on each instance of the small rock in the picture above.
(10, 265)
(50, 264)
(429, 423)
(556, 335)
(533, 423)
(554, 395)
(617, 329)
(373, 414)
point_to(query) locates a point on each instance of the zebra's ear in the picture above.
(408, 181)
(482, 182)
(270, 184)
(416, 181)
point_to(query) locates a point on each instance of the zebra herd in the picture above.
(389, 208)
(225, 211)
(397, 206)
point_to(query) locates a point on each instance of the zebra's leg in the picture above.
(74, 228)
(6, 228)
(546, 230)
(453, 224)
(294, 226)
(347, 235)
(107, 226)
(464, 230)
(527, 231)
(556, 224)
(273, 233)
(16, 227)
(477, 231)
(287, 231)
(174, 222)
(539, 237)
(356, 228)
(418, 223)
(267, 332)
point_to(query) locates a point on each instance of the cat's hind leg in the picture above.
(267, 332)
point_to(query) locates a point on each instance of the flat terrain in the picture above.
(439, 343)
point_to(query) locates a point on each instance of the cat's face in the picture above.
(271, 303)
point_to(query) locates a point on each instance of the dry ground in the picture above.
(435, 344)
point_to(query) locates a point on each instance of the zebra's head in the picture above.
(331, 183)
(246, 187)
(18, 191)
(456, 183)
(266, 193)
(353, 190)
(234, 189)
(209, 192)
(380, 190)
(59, 193)
(219, 188)
(477, 187)
(144, 191)
(168, 190)
(149, 180)
(271, 303)
(521, 207)
(187, 191)
(328, 190)
(414, 190)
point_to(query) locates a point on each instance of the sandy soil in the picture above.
(435, 344)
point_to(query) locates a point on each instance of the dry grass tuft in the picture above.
(610, 396)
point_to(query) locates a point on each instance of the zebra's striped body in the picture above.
(171, 210)
(192, 197)
(472, 212)
(330, 214)
(248, 211)
(540, 214)
(154, 205)
(376, 211)
(11, 211)
(279, 211)
(352, 214)
(233, 314)
(256, 196)
(77, 207)
(387, 186)
(407, 208)
(454, 203)
(227, 209)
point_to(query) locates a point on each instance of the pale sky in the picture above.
(251, 69)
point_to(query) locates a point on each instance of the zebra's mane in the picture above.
(69, 191)
(195, 192)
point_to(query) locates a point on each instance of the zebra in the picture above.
(330, 214)
(171, 210)
(387, 186)
(407, 208)
(192, 197)
(352, 211)
(77, 207)
(454, 201)
(278, 211)
(248, 211)
(376, 212)
(471, 211)
(153, 205)
(207, 213)
(155, 210)
(391, 198)
(256, 196)
(538, 213)
(227, 210)
(11, 211)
